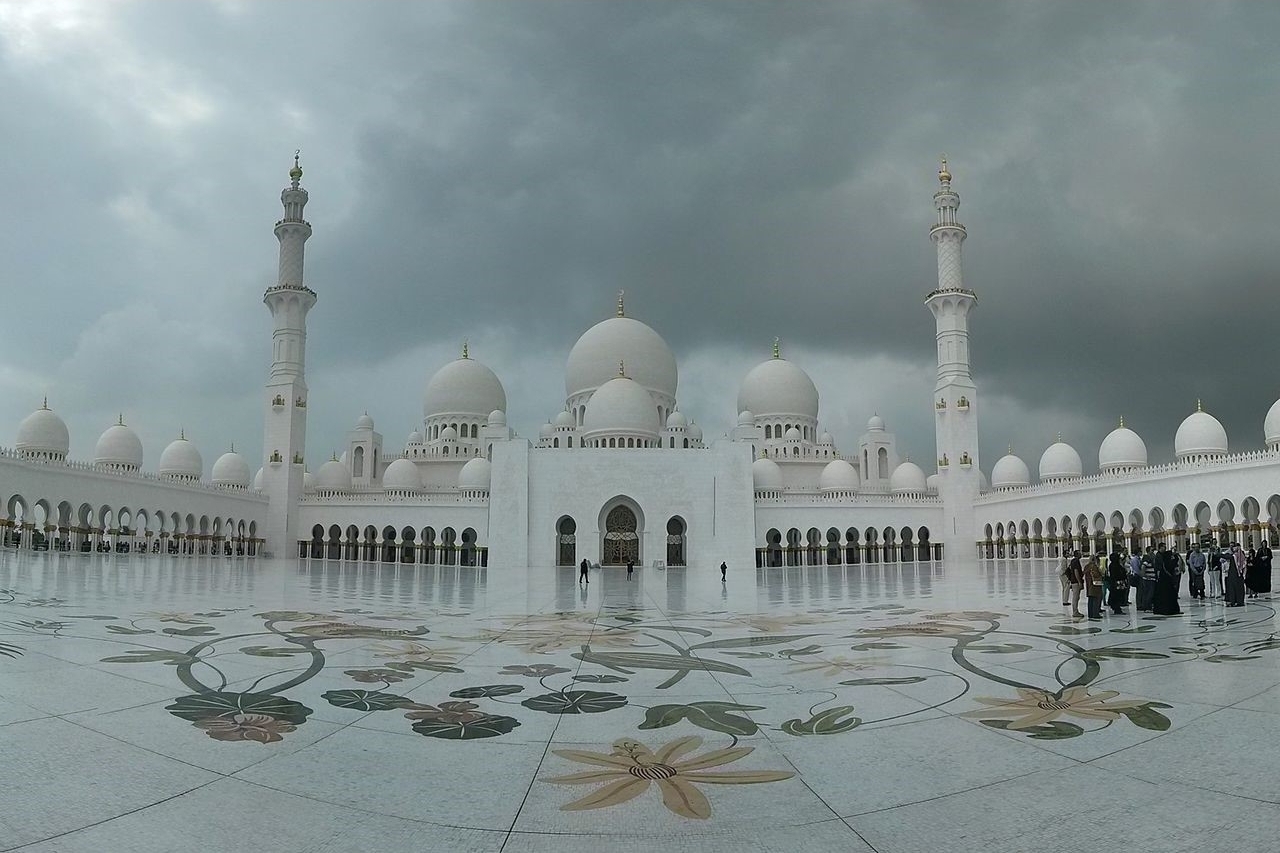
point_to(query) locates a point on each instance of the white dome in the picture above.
(565, 420)
(1010, 472)
(119, 446)
(594, 359)
(1200, 435)
(43, 432)
(257, 480)
(677, 420)
(415, 438)
(826, 440)
(621, 406)
(497, 418)
(475, 474)
(875, 424)
(230, 469)
(695, 432)
(778, 387)
(931, 482)
(448, 434)
(1122, 448)
(546, 430)
(1060, 461)
(746, 418)
(1271, 426)
(401, 475)
(333, 477)
(463, 387)
(793, 434)
(766, 475)
(308, 482)
(838, 476)
(908, 478)
(181, 459)
(364, 422)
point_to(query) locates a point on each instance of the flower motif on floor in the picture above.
(1036, 707)
(834, 666)
(171, 616)
(540, 641)
(446, 712)
(417, 652)
(258, 728)
(919, 629)
(631, 766)
(537, 670)
(966, 615)
(348, 631)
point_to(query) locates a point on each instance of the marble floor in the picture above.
(157, 704)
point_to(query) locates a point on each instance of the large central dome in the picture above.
(594, 359)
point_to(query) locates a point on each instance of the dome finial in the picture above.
(777, 347)
(944, 174)
(295, 174)
(45, 404)
(622, 310)
(334, 457)
(1122, 422)
(233, 447)
(1199, 406)
(1010, 449)
(182, 433)
(120, 419)
(622, 368)
(1059, 437)
(466, 349)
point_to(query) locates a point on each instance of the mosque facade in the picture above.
(620, 474)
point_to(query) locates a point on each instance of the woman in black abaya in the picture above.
(1118, 573)
(1165, 601)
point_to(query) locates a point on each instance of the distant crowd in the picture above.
(1230, 574)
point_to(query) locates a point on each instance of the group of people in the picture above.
(1156, 574)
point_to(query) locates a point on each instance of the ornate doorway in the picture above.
(621, 539)
(566, 543)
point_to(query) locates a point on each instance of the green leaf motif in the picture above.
(487, 726)
(429, 666)
(869, 682)
(832, 721)
(1000, 648)
(1141, 629)
(1267, 645)
(120, 629)
(9, 650)
(600, 679)
(682, 665)
(219, 703)
(197, 631)
(750, 642)
(365, 700)
(714, 716)
(153, 656)
(575, 702)
(1227, 658)
(1127, 654)
(273, 651)
(488, 691)
(1067, 629)
(870, 647)
(1146, 717)
(1054, 730)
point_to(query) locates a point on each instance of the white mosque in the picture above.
(619, 473)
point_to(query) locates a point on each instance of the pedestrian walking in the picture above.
(582, 571)
(631, 567)
(1195, 572)
(1213, 571)
(1165, 600)
(1147, 584)
(1064, 577)
(1076, 579)
(1119, 574)
(724, 572)
(1093, 587)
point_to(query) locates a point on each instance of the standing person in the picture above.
(1135, 570)
(1234, 579)
(1119, 576)
(1264, 567)
(1251, 580)
(1076, 579)
(1093, 586)
(582, 571)
(1165, 600)
(1064, 577)
(1195, 573)
(1106, 577)
(1213, 571)
(1147, 584)
(631, 567)
(724, 572)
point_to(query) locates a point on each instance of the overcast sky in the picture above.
(497, 171)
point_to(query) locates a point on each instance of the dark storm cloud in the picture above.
(499, 170)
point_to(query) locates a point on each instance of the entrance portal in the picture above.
(621, 540)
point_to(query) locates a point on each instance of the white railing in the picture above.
(365, 495)
(797, 498)
(116, 473)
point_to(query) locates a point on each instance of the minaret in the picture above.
(285, 434)
(955, 399)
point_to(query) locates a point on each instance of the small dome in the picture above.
(565, 420)
(448, 434)
(475, 474)
(181, 460)
(463, 387)
(231, 469)
(257, 480)
(766, 475)
(746, 418)
(677, 420)
(497, 418)
(792, 434)
(119, 447)
(364, 422)
(593, 361)
(838, 476)
(414, 439)
(1122, 448)
(931, 483)
(1010, 472)
(908, 478)
(401, 475)
(1271, 426)
(875, 424)
(308, 482)
(1200, 435)
(1060, 462)
(778, 387)
(333, 476)
(621, 406)
(826, 440)
(546, 430)
(43, 432)
(695, 432)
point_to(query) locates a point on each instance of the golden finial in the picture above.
(1199, 407)
(1010, 449)
(777, 348)
(45, 404)
(1122, 422)
(182, 433)
(622, 311)
(944, 174)
(622, 368)
(295, 174)
(465, 349)
(1059, 438)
